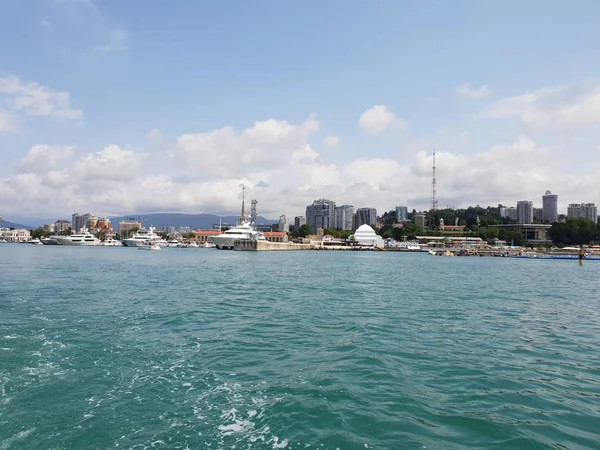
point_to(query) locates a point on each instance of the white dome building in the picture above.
(365, 235)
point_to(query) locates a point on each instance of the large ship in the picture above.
(143, 238)
(82, 238)
(244, 230)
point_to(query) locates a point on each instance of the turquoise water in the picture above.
(198, 348)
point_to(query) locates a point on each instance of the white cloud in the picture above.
(228, 152)
(331, 141)
(42, 158)
(36, 100)
(110, 164)
(284, 172)
(564, 107)
(475, 93)
(116, 41)
(7, 121)
(379, 118)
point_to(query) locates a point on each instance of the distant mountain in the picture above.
(7, 224)
(177, 220)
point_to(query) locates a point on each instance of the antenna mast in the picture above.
(434, 202)
(253, 214)
(243, 198)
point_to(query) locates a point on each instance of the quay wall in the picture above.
(258, 246)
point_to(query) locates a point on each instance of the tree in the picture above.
(511, 237)
(304, 231)
(577, 231)
(39, 233)
(330, 232)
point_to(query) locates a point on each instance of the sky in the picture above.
(114, 107)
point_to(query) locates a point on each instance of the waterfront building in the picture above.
(128, 226)
(401, 213)
(344, 217)
(525, 212)
(587, 211)
(510, 212)
(61, 226)
(16, 235)
(365, 235)
(550, 207)
(85, 218)
(203, 236)
(50, 227)
(91, 222)
(283, 225)
(299, 221)
(276, 236)
(533, 233)
(104, 224)
(365, 216)
(420, 219)
(77, 222)
(321, 214)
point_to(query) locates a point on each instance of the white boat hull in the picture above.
(50, 241)
(224, 242)
(79, 243)
(132, 243)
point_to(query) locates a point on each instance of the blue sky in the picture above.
(528, 104)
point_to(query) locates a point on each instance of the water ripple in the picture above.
(207, 349)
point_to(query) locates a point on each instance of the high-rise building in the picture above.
(91, 222)
(420, 219)
(299, 221)
(365, 216)
(510, 212)
(401, 213)
(61, 226)
(321, 214)
(550, 207)
(78, 222)
(524, 212)
(584, 210)
(283, 226)
(104, 223)
(126, 227)
(344, 217)
(538, 214)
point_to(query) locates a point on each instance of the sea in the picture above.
(114, 348)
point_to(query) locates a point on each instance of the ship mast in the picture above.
(243, 216)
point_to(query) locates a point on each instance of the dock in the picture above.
(265, 246)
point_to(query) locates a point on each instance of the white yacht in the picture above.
(34, 241)
(142, 237)
(149, 246)
(244, 230)
(110, 242)
(52, 240)
(83, 238)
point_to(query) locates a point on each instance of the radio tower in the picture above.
(434, 202)
(253, 211)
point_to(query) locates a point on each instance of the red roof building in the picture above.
(276, 236)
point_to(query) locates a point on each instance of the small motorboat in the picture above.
(149, 246)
